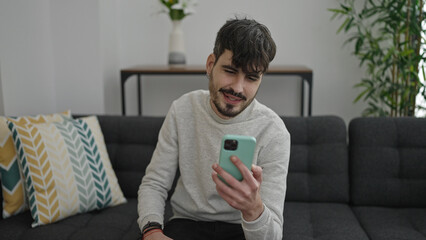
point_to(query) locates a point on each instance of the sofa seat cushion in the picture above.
(393, 223)
(113, 223)
(312, 221)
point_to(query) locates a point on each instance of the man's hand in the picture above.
(156, 236)
(244, 195)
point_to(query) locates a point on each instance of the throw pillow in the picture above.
(13, 190)
(66, 168)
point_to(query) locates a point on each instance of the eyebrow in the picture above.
(229, 67)
(252, 74)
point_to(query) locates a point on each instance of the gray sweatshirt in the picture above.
(190, 140)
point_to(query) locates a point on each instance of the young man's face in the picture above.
(231, 90)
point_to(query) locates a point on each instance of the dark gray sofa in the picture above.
(388, 176)
(371, 185)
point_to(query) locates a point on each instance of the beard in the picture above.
(225, 109)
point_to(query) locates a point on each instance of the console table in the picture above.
(145, 70)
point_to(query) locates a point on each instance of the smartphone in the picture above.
(240, 146)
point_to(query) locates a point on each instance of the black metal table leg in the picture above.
(302, 101)
(139, 95)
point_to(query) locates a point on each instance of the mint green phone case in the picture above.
(244, 151)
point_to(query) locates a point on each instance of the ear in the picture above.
(210, 63)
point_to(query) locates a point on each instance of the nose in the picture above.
(238, 83)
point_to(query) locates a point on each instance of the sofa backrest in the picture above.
(318, 170)
(388, 161)
(130, 142)
(1, 203)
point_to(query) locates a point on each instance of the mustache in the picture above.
(233, 93)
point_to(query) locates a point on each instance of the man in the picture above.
(204, 207)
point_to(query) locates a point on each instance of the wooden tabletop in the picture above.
(201, 69)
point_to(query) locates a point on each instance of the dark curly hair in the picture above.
(250, 43)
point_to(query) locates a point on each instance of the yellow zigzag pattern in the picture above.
(63, 173)
(14, 193)
(15, 201)
(4, 132)
(7, 147)
(17, 205)
(67, 168)
(41, 174)
(6, 156)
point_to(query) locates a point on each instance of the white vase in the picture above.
(177, 44)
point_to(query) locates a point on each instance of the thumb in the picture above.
(257, 173)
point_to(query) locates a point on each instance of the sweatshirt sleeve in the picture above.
(159, 175)
(274, 159)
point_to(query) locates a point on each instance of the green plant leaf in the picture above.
(338, 11)
(343, 26)
(378, 31)
(362, 94)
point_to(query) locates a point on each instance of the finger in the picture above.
(236, 190)
(245, 172)
(218, 181)
(225, 175)
(257, 173)
(227, 193)
(231, 199)
(225, 189)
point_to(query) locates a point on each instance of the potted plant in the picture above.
(177, 10)
(388, 39)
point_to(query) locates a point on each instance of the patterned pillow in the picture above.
(66, 167)
(13, 190)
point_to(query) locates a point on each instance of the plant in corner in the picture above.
(389, 40)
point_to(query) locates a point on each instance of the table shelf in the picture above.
(303, 72)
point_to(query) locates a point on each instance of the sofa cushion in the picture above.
(130, 142)
(318, 168)
(66, 168)
(13, 190)
(393, 223)
(114, 223)
(315, 221)
(388, 161)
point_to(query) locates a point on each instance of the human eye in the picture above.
(229, 70)
(253, 78)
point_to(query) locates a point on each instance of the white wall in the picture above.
(73, 51)
(26, 57)
(109, 56)
(1, 97)
(51, 57)
(77, 55)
